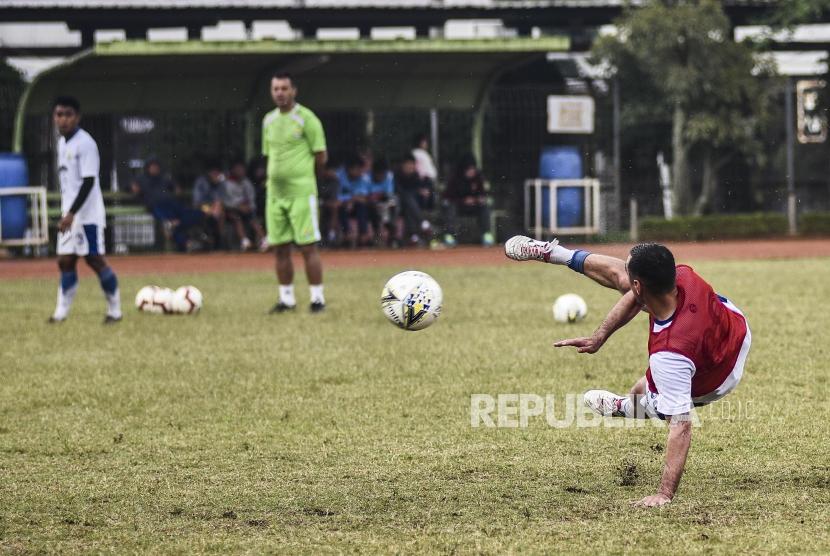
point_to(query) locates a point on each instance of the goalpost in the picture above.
(38, 223)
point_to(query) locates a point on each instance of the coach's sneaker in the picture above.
(281, 307)
(109, 319)
(604, 403)
(523, 248)
(317, 307)
(53, 320)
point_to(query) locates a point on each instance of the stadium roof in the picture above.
(345, 4)
(138, 76)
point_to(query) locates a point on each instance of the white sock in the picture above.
(317, 294)
(114, 304)
(632, 411)
(287, 295)
(561, 255)
(64, 302)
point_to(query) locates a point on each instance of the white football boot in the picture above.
(604, 403)
(523, 248)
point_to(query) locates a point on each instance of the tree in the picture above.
(681, 57)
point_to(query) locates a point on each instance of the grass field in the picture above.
(240, 431)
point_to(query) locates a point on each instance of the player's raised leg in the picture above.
(67, 288)
(602, 269)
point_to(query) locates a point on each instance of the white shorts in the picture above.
(82, 240)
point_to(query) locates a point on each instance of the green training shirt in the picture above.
(289, 141)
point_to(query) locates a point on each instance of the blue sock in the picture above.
(578, 260)
(109, 283)
(69, 280)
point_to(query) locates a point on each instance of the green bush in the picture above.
(814, 224)
(720, 226)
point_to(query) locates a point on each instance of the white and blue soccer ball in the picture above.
(569, 308)
(411, 300)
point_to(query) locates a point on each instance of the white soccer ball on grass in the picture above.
(569, 308)
(187, 300)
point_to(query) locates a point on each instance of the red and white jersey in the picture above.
(692, 353)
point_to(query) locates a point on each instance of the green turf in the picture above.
(239, 431)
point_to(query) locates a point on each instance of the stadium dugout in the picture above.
(141, 76)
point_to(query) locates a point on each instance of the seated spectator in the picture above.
(466, 194)
(158, 193)
(382, 202)
(328, 189)
(409, 188)
(353, 197)
(258, 173)
(239, 203)
(207, 197)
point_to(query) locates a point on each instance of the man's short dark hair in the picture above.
(419, 138)
(67, 102)
(408, 157)
(380, 165)
(213, 164)
(354, 160)
(653, 265)
(285, 75)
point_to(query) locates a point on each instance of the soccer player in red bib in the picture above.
(698, 340)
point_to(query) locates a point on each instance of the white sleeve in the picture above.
(672, 374)
(89, 161)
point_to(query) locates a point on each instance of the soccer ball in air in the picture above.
(411, 300)
(187, 300)
(569, 308)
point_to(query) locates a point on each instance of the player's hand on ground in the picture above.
(66, 222)
(589, 344)
(653, 501)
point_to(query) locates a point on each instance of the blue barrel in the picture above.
(13, 173)
(563, 163)
(570, 206)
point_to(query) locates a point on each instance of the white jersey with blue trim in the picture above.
(78, 159)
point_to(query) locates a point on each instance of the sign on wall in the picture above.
(811, 119)
(570, 114)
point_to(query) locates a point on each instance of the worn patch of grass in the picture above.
(240, 431)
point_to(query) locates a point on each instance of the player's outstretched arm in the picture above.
(620, 315)
(677, 448)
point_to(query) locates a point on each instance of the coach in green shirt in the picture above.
(295, 146)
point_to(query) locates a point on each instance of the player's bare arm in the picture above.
(677, 448)
(320, 160)
(621, 314)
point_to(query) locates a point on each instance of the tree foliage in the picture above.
(677, 60)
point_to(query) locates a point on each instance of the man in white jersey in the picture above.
(81, 227)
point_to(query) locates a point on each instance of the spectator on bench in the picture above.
(353, 197)
(410, 189)
(382, 202)
(466, 194)
(158, 193)
(207, 197)
(239, 203)
(328, 189)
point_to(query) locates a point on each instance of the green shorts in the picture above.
(292, 220)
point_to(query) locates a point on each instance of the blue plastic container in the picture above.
(13, 173)
(563, 163)
(570, 206)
